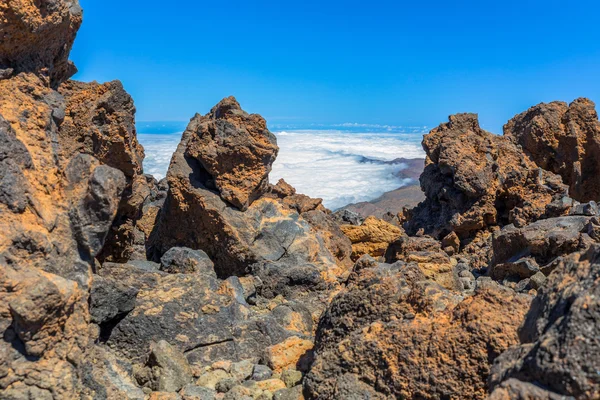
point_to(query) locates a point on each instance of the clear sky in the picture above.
(328, 62)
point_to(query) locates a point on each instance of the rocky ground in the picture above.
(215, 284)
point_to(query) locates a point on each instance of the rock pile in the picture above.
(215, 284)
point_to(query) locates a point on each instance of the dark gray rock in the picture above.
(521, 269)
(344, 217)
(589, 209)
(182, 260)
(110, 299)
(225, 385)
(261, 372)
(560, 346)
(193, 392)
(169, 367)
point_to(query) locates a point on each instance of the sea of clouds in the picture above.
(341, 164)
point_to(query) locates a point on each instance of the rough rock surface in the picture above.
(560, 348)
(269, 230)
(564, 139)
(428, 255)
(36, 36)
(391, 333)
(235, 150)
(473, 180)
(371, 237)
(99, 120)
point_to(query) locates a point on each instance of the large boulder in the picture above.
(371, 237)
(393, 334)
(564, 139)
(55, 213)
(474, 179)
(99, 120)
(36, 36)
(235, 150)
(560, 347)
(210, 209)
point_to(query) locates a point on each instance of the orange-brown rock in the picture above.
(268, 231)
(474, 179)
(392, 334)
(372, 237)
(564, 139)
(55, 213)
(292, 353)
(36, 36)
(427, 253)
(235, 150)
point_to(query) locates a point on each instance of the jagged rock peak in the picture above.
(235, 149)
(37, 36)
(564, 139)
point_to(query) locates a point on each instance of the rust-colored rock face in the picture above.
(100, 121)
(473, 180)
(393, 334)
(372, 237)
(564, 139)
(235, 149)
(37, 35)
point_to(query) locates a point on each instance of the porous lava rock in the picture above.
(37, 36)
(99, 120)
(235, 151)
(564, 139)
(560, 348)
(201, 210)
(392, 333)
(474, 179)
(371, 237)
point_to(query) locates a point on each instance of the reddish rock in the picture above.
(474, 180)
(36, 36)
(564, 139)
(390, 334)
(235, 150)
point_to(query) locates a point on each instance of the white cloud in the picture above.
(338, 166)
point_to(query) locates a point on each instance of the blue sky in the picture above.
(328, 62)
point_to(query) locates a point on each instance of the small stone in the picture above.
(537, 280)
(170, 369)
(266, 395)
(194, 392)
(294, 393)
(225, 385)
(225, 365)
(242, 370)
(182, 260)
(293, 352)
(271, 385)
(291, 377)
(246, 390)
(211, 378)
(164, 396)
(261, 372)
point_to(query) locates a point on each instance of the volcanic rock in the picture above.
(99, 120)
(372, 237)
(473, 180)
(391, 333)
(201, 210)
(235, 151)
(564, 139)
(36, 36)
(560, 348)
(428, 255)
